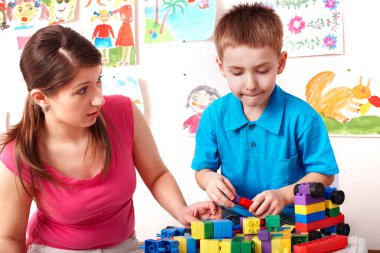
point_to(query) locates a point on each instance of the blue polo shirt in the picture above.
(288, 141)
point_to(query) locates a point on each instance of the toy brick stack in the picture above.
(319, 227)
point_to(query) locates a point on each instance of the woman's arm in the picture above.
(14, 212)
(158, 178)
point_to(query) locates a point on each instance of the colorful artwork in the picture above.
(112, 30)
(198, 99)
(311, 27)
(121, 83)
(3, 16)
(25, 14)
(179, 20)
(199, 91)
(347, 104)
(61, 11)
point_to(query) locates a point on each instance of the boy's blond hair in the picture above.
(254, 25)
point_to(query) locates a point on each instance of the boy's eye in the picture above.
(82, 90)
(99, 79)
(262, 71)
(237, 73)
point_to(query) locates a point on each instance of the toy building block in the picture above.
(169, 232)
(222, 228)
(187, 244)
(265, 237)
(272, 222)
(241, 201)
(202, 229)
(209, 245)
(333, 212)
(310, 217)
(310, 188)
(327, 222)
(251, 225)
(336, 196)
(257, 244)
(308, 209)
(161, 246)
(327, 244)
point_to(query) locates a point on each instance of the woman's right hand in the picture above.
(219, 188)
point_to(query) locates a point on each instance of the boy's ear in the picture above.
(282, 62)
(39, 97)
(220, 66)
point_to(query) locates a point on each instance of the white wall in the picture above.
(160, 71)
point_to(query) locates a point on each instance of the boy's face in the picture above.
(251, 74)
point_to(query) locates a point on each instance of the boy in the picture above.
(263, 139)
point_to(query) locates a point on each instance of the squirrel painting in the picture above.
(334, 102)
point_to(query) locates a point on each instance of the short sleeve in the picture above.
(315, 148)
(206, 154)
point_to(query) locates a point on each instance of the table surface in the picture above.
(355, 245)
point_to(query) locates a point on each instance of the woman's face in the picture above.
(78, 103)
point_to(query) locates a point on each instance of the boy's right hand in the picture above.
(219, 189)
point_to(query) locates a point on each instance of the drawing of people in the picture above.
(125, 35)
(61, 11)
(24, 11)
(103, 33)
(198, 99)
(3, 16)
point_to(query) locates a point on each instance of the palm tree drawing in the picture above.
(171, 6)
(156, 21)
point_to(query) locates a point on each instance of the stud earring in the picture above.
(47, 108)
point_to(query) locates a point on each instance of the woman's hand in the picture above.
(199, 211)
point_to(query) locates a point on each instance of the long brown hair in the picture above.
(51, 59)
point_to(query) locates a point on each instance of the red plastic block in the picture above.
(328, 222)
(244, 202)
(327, 244)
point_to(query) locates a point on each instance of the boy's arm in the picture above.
(218, 188)
(273, 201)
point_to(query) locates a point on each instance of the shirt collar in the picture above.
(270, 120)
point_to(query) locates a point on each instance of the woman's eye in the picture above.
(82, 91)
(99, 79)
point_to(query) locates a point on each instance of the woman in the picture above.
(74, 152)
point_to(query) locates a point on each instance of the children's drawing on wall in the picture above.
(3, 16)
(120, 83)
(61, 11)
(198, 99)
(348, 105)
(311, 27)
(179, 20)
(113, 30)
(26, 14)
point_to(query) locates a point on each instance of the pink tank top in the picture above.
(90, 213)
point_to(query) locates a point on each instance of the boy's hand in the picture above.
(199, 211)
(268, 203)
(220, 189)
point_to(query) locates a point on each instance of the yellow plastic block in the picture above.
(308, 209)
(276, 244)
(257, 242)
(209, 246)
(251, 225)
(182, 247)
(286, 243)
(197, 230)
(330, 205)
(225, 246)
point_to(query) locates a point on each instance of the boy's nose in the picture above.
(251, 83)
